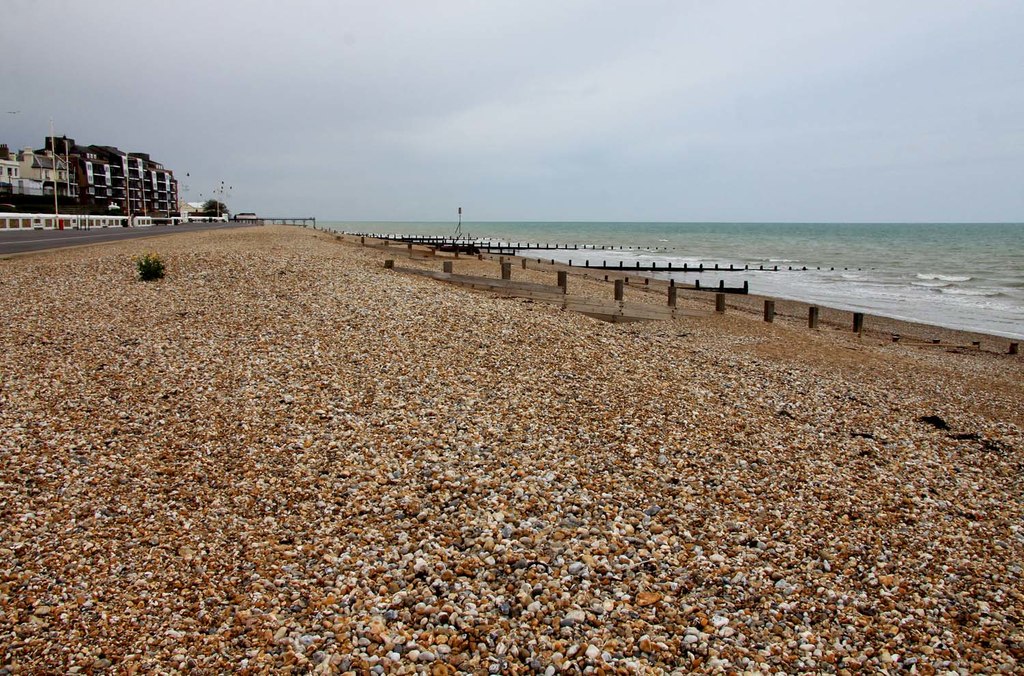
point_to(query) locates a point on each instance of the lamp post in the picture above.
(221, 191)
(53, 176)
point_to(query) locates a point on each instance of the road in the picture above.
(23, 241)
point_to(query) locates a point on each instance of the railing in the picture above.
(80, 222)
(59, 222)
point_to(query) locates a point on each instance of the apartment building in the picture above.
(96, 178)
(128, 182)
(156, 187)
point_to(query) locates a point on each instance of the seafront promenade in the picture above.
(24, 241)
(285, 457)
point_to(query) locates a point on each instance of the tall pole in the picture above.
(53, 160)
(67, 168)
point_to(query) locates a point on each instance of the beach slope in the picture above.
(285, 457)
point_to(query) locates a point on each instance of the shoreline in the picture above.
(744, 316)
(966, 309)
(284, 456)
(787, 309)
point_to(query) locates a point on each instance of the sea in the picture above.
(966, 276)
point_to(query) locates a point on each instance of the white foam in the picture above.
(945, 278)
(971, 292)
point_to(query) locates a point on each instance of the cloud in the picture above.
(651, 110)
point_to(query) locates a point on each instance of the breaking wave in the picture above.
(945, 278)
(971, 292)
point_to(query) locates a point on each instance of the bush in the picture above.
(150, 267)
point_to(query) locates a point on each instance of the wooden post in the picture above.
(362, 240)
(563, 281)
(447, 266)
(506, 271)
(1013, 348)
(720, 303)
(672, 293)
(858, 322)
(619, 289)
(769, 311)
(812, 317)
(524, 264)
(389, 264)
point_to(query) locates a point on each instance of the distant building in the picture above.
(42, 173)
(10, 169)
(190, 208)
(153, 184)
(97, 179)
(101, 176)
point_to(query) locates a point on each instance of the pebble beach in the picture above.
(285, 458)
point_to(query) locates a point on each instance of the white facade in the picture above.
(39, 167)
(10, 171)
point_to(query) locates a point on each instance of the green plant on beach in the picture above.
(150, 267)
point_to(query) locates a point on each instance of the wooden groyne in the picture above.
(614, 311)
(473, 245)
(686, 268)
(508, 248)
(618, 310)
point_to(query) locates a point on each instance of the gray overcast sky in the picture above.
(795, 110)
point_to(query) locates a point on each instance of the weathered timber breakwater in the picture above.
(965, 276)
(284, 456)
(475, 245)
